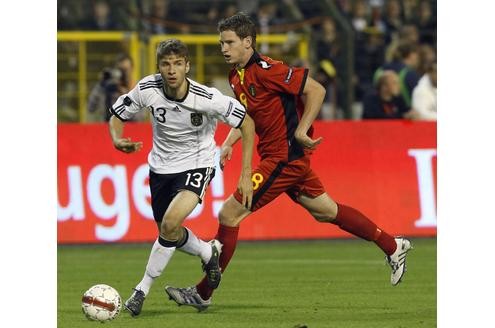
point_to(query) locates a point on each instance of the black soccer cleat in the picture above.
(212, 268)
(135, 303)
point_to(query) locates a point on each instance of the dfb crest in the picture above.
(196, 119)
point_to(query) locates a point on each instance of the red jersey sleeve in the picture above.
(283, 78)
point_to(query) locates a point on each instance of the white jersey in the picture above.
(183, 129)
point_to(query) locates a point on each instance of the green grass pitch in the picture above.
(337, 283)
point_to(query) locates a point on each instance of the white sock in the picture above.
(196, 246)
(157, 261)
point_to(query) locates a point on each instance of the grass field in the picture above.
(342, 283)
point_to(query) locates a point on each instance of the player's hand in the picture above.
(306, 141)
(245, 188)
(225, 154)
(127, 146)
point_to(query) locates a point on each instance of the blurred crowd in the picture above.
(394, 44)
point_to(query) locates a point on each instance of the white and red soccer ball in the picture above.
(101, 303)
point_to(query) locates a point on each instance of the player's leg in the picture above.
(325, 209)
(311, 195)
(230, 216)
(197, 181)
(170, 231)
(164, 247)
(270, 179)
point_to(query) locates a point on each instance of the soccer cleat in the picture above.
(397, 260)
(135, 303)
(212, 268)
(187, 296)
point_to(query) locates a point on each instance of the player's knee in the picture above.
(326, 216)
(232, 213)
(321, 217)
(169, 228)
(228, 220)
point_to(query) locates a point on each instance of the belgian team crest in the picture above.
(196, 119)
(252, 90)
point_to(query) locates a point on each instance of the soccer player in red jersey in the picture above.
(272, 93)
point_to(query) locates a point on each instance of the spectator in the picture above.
(359, 22)
(216, 12)
(427, 57)
(359, 16)
(114, 82)
(229, 10)
(158, 15)
(377, 23)
(426, 23)
(345, 7)
(407, 34)
(330, 62)
(248, 7)
(369, 57)
(405, 63)
(385, 102)
(392, 20)
(424, 99)
(69, 16)
(101, 20)
(409, 10)
(266, 16)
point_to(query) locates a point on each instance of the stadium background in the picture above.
(387, 168)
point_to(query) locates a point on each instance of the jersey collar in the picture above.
(172, 98)
(255, 57)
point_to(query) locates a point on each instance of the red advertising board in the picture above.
(386, 169)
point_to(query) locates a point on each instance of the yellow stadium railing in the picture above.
(199, 42)
(82, 38)
(206, 56)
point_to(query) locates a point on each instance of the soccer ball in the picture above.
(101, 303)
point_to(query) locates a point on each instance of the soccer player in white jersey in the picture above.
(184, 117)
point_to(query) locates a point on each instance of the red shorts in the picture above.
(272, 177)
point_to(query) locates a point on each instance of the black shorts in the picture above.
(164, 187)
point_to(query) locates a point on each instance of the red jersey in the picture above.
(271, 92)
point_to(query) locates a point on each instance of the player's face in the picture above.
(234, 49)
(173, 69)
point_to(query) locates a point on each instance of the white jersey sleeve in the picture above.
(128, 104)
(226, 109)
(229, 110)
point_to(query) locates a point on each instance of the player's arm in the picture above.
(232, 112)
(116, 127)
(245, 184)
(315, 93)
(295, 80)
(124, 108)
(229, 142)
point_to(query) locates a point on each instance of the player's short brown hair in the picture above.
(241, 24)
(172, 47)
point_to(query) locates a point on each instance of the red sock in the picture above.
(228, 237)
(356, 223)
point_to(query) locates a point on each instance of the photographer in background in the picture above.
(114, 82)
